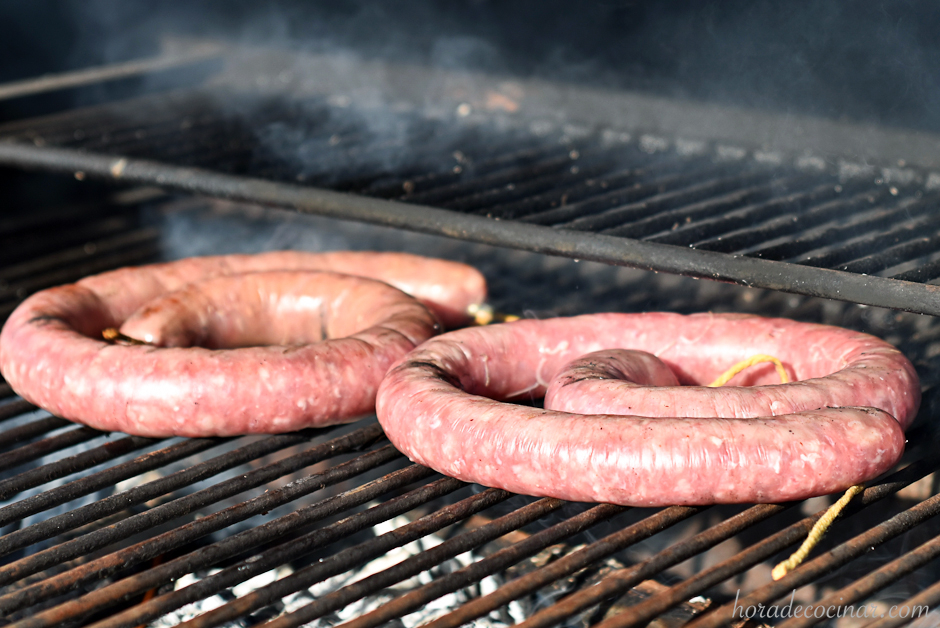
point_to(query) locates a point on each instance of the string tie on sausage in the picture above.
(483, 314)
(816, 533)
(822, 524)
(114, 335)
(751, 361)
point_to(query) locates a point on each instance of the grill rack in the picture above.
(93, 563)
(807, 224)
(134, 243)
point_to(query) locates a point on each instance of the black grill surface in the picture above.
(705, 209)
(334, 526)
(112, 530)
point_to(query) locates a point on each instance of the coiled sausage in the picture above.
(52, 355)
(840, 425)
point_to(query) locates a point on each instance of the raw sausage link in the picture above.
(441, 406)
(51, 352)
(447, 288)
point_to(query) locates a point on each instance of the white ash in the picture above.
(498, 619)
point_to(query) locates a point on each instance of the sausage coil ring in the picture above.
(52, 354)
(838, 423)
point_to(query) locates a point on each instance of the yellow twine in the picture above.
(114, 335)
(816, 533)
(483, 314)
(822, 525)
(751, 361)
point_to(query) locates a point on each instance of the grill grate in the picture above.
(99, 532)
(678, 198)
(112, 530)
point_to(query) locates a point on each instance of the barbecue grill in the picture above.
(333, 526)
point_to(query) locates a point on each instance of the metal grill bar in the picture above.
(72, 464)
(878, 291)
(413, 566)
(544, 208)
(565, 566)
(145, 520)
(840, 241)
(475, 572)
(92, 76)
(140, 238)
(929, 597)
(703, 230)
(145, 252)
(874, 581)
(163, 543)
(40, 448)
(96, 481)
(614, 218)
(828, 562)
(641, 613)
(659, 190)
(707, 198)
(302, 545)
(231, 546)
(669, 218)
(339, 562)
(27, 430)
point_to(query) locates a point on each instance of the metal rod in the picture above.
(643, 612)
(826, 563)
(89, 76)
(105, 566)
(843, 242)
(924, 601)
(40, 448)
(296, 547)
(565, 566)
(780, 225)
(670, 199)
(107, 477)
(28, 430)
(416, 564)
(17, 407)
(876, 580)
(147, 251)
(77, 254)
(667, 182)
(869, 290)
(72, 464)
(225, 549)
(621, 580)
(142, 521)
(358, 555)
(482, 568)
(710, 227)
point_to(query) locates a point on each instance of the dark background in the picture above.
(864, 61)
(873, 61)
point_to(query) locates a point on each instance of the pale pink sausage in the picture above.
(443, 406)
(448, 288)
(52, 354)
(286, 308)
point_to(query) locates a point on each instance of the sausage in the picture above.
(447, 288)
(841, 424)
(284, 308)
(52, 355)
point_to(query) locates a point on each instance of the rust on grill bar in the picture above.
(335, 527)
(56, 593)
(755, 272)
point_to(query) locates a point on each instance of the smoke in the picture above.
(856, 60)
